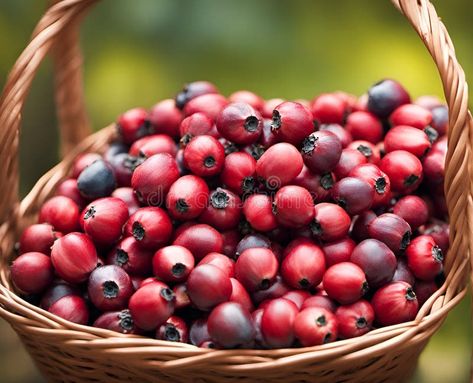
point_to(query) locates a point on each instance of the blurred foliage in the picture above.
(137, 52)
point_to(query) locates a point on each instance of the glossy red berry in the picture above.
(364, 126)
(269, 106)
(322, 301)
(424, 257)
(173, 264)
(74, 257)
(173, 330)
(223, 211)
(355, 319)
(240, 295)
(330, 222)
(413, 209)
(131, 257)
(345, 282)
(187, 198)
(343, 135)
(318, 185)
(150, 226)
(165, 118)
(395, 303)
(303, 266)
(204, 156)
(424, 290)
(153, 178)
(378, 180)
(209, 104)
(32, 272)
(440, 232)
(353, 194)
(403, 273)
(321, 151)
(338, 251)
(223, 262)
(251, 241)
(277, 323)
(412, 115)
(369, 150)
(238, 173)
(182, 299)
(109, 288)
(293, 206)
(198, 332)
(298, 297)
(133, 125)
(385, 96)
(433, 166)
(197, 124)
(240, 123)
(69, 188)
(151, 145)
(403, 169)
(103, 220)
(292, 122)
(256, 268)
(200, 240)
(349, 159)
(328, 108)
(127, 195)
(359, 230)
(207, 286)
(376, 260)
(315, 326)
(39, 238)
(247, 97)
(60, 212)
(119, 321)
(407, 138)
(193, 90)
(72, 308)
(151, 305)
(258, 211)
(277, 289)
(391, 229)
(82, 161)
(55, 292)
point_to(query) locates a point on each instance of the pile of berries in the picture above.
(239, 222)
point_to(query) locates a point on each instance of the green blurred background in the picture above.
(137, 52)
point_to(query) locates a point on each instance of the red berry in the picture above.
(395, 303)
(230, 325)
(256, 318)
(204, 156)
(258, 212)
(151, 145)
(413, 209)
(315, 326)
(173, 330)
(407, 138)
(338, 251)
(187, 197)
(297, 296)
(392, 230)
(82, 161)
(279, 165)
(207, 286)
(256, 268)
(200, 240)
(318, 185)
(269, 106)
(109, 288)
(123, 165)
(198, 332)
(359, 229)
(224, 263)
(182, 299)
(330, 222)
(153, 178)
(223, 210)
(328, 108)
(378, 180)
(72, 308)
(150, 226)
(238, 173)
(69, 188)
(74, 257)
(424, 291)
(403, 169)
(403, 273)
(376, 260)
(412, 115)
(32, 272)
(209, 104)
(119, 321)
(353, 194)
(131, 257)
(230, 241)
(173, 264)
(240, 123)
(277, 289)
(133, 124)
(151, 305)
(364, 126)
(428, 102)
(103, 220)
(193, 90)
(57, 291)
(345, 282)
(433, 166)
(248, 98)
(355, 319)
(343, 135)
(165, 118)
(304, 266)
(293, 206)
(424, 258)
(277, 323)
(370, 151)
(240, 295)
(39, 237)
(321, 151)
(440, 232)
(321, 301)
(349, 159)
(127, 195)
(197, 124)
(385, 96)
(60, 212)
(292, 122)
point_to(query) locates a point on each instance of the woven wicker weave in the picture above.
(66, 352)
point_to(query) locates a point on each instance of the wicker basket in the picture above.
(66, 352)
